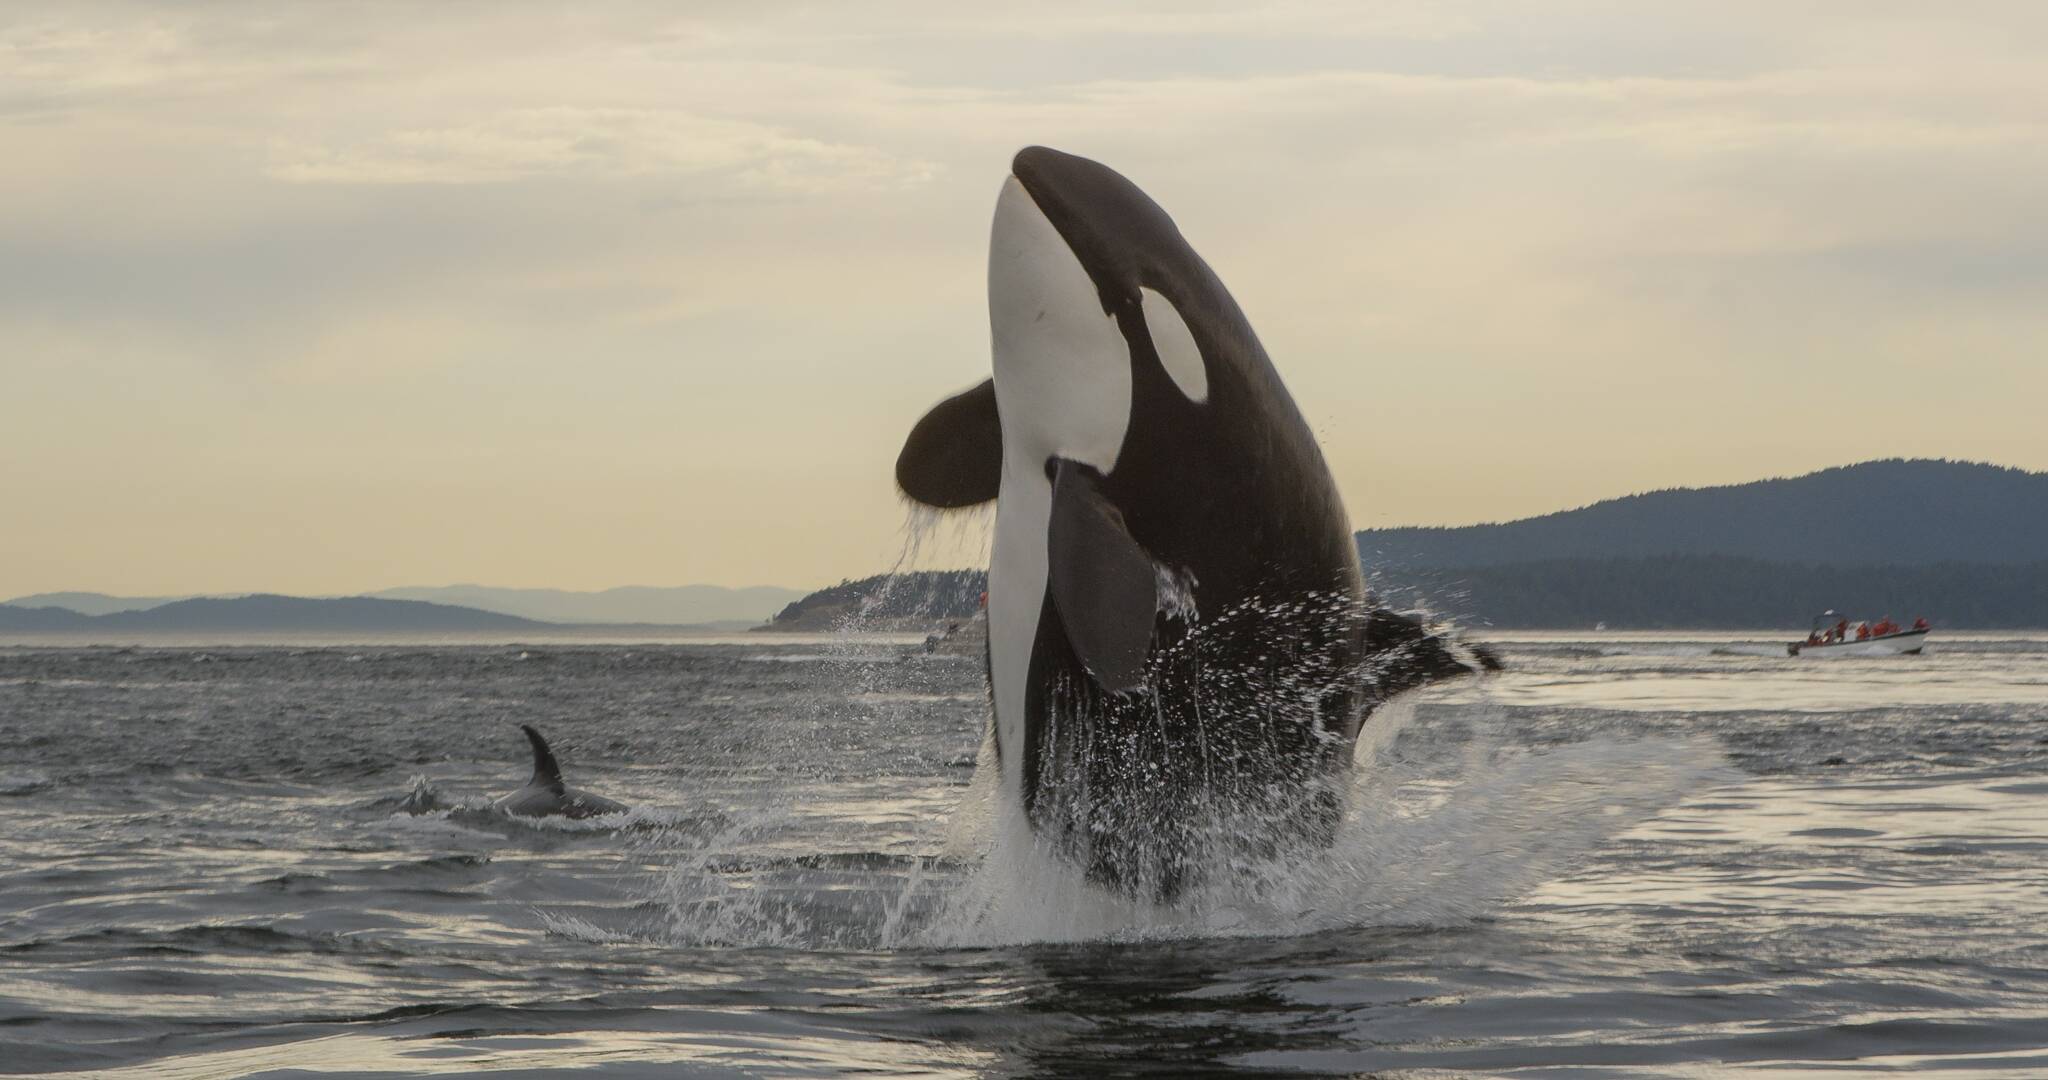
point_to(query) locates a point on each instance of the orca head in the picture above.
(1084, 269)
(1092, 294)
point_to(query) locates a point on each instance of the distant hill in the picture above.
(1688, 592)
(633, 604)
(1877, 513)
(271, 614)
(42, 618)
(1964, 544)
(628, 604)
(91, 603)
(924, 597)
(1722, 592)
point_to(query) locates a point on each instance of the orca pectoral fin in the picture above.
(1103, 583)
(954, 456)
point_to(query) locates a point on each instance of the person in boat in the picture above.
(1885, 627)
(1863, 631)
(1920, 623)
(1840, 632)
(1815, 638)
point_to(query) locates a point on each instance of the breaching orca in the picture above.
(1181, 646)
(546, 796)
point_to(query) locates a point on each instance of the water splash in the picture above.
(568, 926)
(924, 530)
(1426, 829)
(755, 879)
(1434, 832)
(1176, 591)
(1422, 842)
(421, 797)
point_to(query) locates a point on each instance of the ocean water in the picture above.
(1630, 855)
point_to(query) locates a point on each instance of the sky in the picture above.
(320, 298)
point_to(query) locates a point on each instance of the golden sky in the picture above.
(322, 298)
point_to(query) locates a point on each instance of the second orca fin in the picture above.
(546, 771)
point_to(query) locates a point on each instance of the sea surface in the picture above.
(1634, 855)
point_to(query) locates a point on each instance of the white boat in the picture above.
(1823, 643)
(1903, 643)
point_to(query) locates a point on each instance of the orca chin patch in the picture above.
(1062, 364)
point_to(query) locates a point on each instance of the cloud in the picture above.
(598, 143)
(647, 232)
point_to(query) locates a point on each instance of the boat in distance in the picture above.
(1903, 643)
(1832, 638)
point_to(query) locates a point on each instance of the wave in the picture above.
(420, 797)
(16, 782)
(424, 799)
(202, 940)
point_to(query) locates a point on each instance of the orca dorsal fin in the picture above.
(546, 771)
